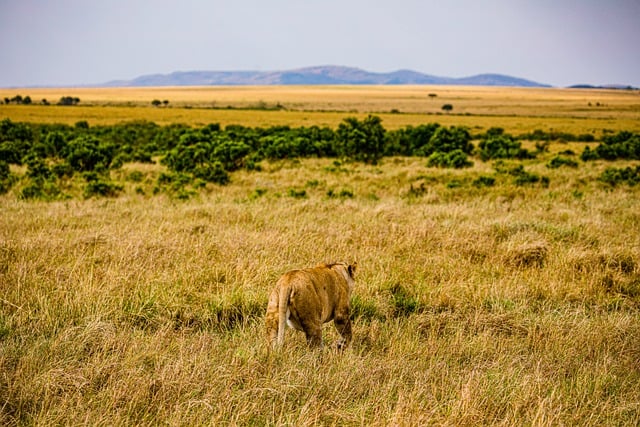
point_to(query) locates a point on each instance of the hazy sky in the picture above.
(558, 42)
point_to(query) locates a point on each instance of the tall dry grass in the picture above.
(495, 305)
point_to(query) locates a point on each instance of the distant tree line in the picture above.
(18, 99)
(54, 152)
(26, 100)
(69, 100)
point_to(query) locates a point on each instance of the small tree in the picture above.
(156, 102)
(498, 145)
(447, 108)
(69, 100)
(453, 159)
(448, 139)
(361, 140)
(87, 153)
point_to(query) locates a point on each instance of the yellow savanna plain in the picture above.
(517, 110)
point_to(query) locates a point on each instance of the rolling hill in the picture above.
(320, 75)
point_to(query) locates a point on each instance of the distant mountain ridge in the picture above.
(320, 75)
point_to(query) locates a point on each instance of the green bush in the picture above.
(176, 184)
(88, 153)
(623, 145)
(342, 194)
(526, 178)
(559, 161)
(455, 183)
(41, 189)
(257, 193)
(6, 178)
(13, 151)
(521, 176)
(212, 172)
(297, 194)
(615, 176)
(33, 190)
(484, 181)
(447, 140)
(361, 140)
(229, 153)
(206, 156)
(410, 141)
(278, 147)
(135, 176)
(62, 170)
(589, 154)
(16, 140)
(10, 131)
(100, 186)
(195, 156)
(502, 147)
(41, 182)
(55, 142)
(455, 159)
(37, 167)
(586, 137)
(345, 194)
(5, 171)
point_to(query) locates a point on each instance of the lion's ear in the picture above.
(352, 269)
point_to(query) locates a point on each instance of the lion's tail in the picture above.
(283, 307)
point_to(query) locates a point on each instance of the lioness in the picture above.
(305, 299)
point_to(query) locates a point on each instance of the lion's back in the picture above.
(316, 290)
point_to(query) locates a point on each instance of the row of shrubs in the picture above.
(364, 140)
(623, 145)
(53, 152)
(26, 100)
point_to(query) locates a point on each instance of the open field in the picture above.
(500, 305)
(517, 110)
(483, 296)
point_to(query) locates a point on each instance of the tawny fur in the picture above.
(306, 299)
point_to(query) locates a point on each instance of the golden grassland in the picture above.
(474, 305)
(517, 110)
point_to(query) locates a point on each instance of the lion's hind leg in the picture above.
(272, 328)
(272, 319)
(312, 329)
(314, 336)
(343, 326)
